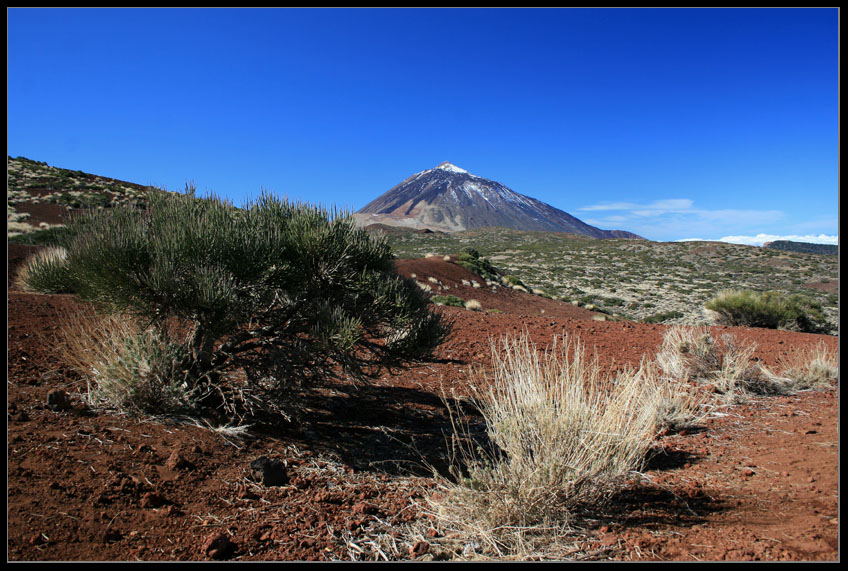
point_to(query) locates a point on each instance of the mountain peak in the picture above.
(446, 166)
(451, 199)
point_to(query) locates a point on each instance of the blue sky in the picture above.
(673, 124)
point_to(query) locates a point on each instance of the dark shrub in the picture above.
(285, 293)
(768, 309)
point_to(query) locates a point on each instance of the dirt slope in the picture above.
(758, 483)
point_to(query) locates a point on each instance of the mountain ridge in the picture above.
(804, 247)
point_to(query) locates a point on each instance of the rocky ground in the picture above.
(348, 479)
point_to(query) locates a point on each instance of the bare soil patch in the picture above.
(830, 286)
(758, 482)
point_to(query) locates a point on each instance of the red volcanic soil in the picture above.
(759, 482)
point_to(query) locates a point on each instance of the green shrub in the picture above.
(660, 317)
(451, 300)
(470, 259)
(512, 281)
(281, 293)
(768, 309)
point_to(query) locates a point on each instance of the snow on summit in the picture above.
(452, 168)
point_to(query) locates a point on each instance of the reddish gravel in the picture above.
(759, 483)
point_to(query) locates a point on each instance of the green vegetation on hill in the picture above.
(666, 282)
(33, 182)
(470, 259)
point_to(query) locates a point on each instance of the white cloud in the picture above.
(761, 239)
(667, 219)
(658, 206)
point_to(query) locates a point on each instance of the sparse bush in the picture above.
(768, 309)
(558, 434)
(682, 404)
(46, 271)
(473, 305)
(280, 293)
(692, 354)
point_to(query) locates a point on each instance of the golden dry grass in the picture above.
(560, 434)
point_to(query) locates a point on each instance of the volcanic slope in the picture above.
(759, 481)
(450, 199)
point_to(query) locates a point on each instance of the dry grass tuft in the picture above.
(816, 368)
(44, 271)
(558, 435)
(691, 354)
(127, 366)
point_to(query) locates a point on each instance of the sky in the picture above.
(674, 124)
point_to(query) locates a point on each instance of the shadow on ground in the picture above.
(392, 430)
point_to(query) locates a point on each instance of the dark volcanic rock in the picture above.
(57, 400)
(269, 472)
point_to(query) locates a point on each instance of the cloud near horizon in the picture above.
(761, 239)
(674, 219)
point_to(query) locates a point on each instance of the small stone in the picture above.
(57, 400)
(112, 535)
(420, 548)
(218, 546)
(265, 535)
(176, 461)
(363, 508)
(269, 472)
(173, 511)
(152, 500)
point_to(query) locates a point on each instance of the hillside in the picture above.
(88, 484)
(637, 279)
(665, 282)
(40, 196)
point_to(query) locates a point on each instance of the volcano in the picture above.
(451, 199)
